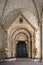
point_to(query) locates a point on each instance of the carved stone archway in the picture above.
(19, 31)
(24, 35)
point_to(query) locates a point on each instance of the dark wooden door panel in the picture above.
(21, 49)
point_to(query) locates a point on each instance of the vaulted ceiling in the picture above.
(34, 6)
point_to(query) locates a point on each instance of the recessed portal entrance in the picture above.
(21, 44)
(21, 49)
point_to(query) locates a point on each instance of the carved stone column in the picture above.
(14, 48)
(29, 48)
(40, 25)
(11, 49)
(33, 44)
(9, 46)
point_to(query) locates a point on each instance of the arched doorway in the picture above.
(21, 37)
(21, 50)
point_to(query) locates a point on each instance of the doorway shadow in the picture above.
(21, 50)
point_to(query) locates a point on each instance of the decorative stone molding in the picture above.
(26, 33)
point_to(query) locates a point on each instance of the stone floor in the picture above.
(20, 63)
